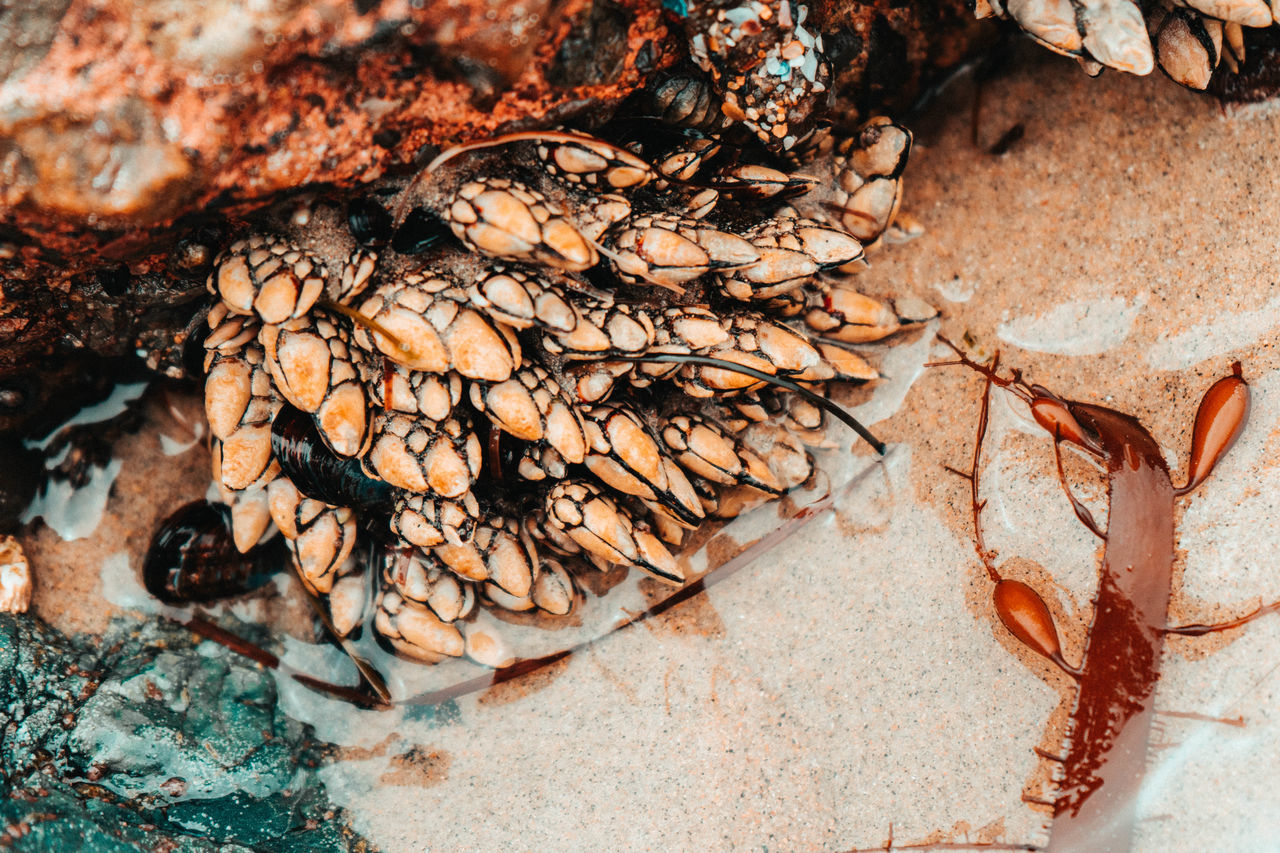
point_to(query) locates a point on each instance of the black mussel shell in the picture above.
(420, 231)
(369, 221)
(318, 472)
(193, 557)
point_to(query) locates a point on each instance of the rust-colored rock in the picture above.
(126, 114)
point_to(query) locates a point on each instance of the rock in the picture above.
(138, 727)
(121, 114)
(142, 739)
(886, 54)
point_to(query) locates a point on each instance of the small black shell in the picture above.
(193, 557)
(369, 221)
(420, 231)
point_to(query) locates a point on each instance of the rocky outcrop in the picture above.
(142, 740)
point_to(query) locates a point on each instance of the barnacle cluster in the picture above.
(1188, 39)
(547, 351)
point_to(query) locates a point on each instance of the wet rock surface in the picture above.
(124, 114)
(886, 53)
(144, 740)
(1258, 78)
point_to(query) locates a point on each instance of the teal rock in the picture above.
(147, 739)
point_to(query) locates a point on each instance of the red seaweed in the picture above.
(1110, 724)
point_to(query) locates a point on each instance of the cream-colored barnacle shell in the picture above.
(512, 407)
(228, 332)
(427, 521)
(579, 158)
(596, 523)
(1115, 34)
(511, 563)
(853, 317)
(1186, 52)
(357, 274)
(521, 300)
(783, 453)
(227, 394)
(414, 631)
(420, 455)
(478, 349)
(506, 219)
(343, 417)
(670, 250)
(654, 558)
(600, 213)
(1051, 22)
(846, 365)
(659, 254)
(631, 461)
(778, 271)
(828, 247)
(250, 514)
(346, 603)
(604, 328)
(244, 459)
(789, 352)
(879, 148)
(592, 520)
(422, 578)
(707, 451)
(400, 308)
(764, 181)
(299, 359)
(689, 327)
(434, 329)
(1247, 13)
(533, 407)
(268, 277)
(15, 577)
(870, 163)
(323, 546)
(553, 590)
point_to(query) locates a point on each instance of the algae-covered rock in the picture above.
(147, 740)
(146, 728)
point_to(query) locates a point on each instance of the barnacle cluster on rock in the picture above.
(530, 359)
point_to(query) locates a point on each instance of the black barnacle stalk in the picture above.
(795, 388)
